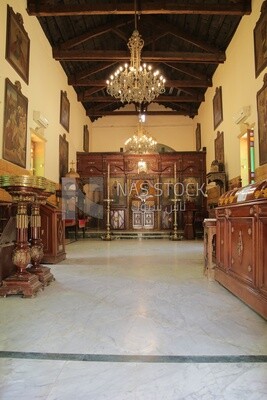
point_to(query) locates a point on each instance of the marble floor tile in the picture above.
(134, 297)
(57, 380)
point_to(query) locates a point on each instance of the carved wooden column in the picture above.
(37, 253)
(22, 190)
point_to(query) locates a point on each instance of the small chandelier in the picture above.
(135, 83)
(141, 142)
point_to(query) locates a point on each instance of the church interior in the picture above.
(133, 199)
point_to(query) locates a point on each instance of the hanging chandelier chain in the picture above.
(136, 83)
(135, 45)
(135, 16)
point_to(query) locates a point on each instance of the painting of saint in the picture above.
(15, 125)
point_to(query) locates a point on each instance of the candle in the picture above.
(108, 179)
(174, 168)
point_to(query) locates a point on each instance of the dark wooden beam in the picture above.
(88, 72)
(169, 83)
(69, 44)
(42, 9)
(164, 99)
(164, 27)
(92, 33)
(94, 89)
(120, 34)
(93, 113)
(147, 56)
(187, 70)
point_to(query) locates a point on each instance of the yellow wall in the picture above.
(239, 88)
(46, 80)
(109, 133)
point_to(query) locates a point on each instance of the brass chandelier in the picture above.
(141, 142)
(135, 83)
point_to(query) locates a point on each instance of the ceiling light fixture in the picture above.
(141, 142)
(136, 83)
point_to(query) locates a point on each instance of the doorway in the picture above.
(247, 157)
(37, 164)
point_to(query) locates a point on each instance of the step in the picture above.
(124, 234)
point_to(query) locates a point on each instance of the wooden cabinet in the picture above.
(241, 245)
(52, 234)
(6, 265)
(7, 239)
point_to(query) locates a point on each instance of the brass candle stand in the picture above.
(107, 235)
(108, 200)
(22, 190)
(174, 235)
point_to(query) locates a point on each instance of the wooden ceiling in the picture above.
(185, 40)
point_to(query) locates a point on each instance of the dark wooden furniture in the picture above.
(7, 210)
(7, 246)
(52, 234)
(241, 244)
(23, 190)
(6, 265)
(189, 169)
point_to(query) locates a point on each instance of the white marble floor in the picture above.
(132, 320)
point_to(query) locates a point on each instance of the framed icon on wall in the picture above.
(64, 110)
(217, 107)
(17, 44)
(15, 124)
(262, 121)
(260, 41)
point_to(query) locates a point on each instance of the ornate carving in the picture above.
(240, 246)
(21, 257)
(37, 253)
(257, 194)
(231, 199)
(27, 189)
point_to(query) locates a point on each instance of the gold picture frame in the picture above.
(260, 41)
(85, 138)
(198, 137)
(63, 156)
(15, 124)
(64, 110)
(217, 107)
(17, 44)
(262, 121)
(219, 147)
